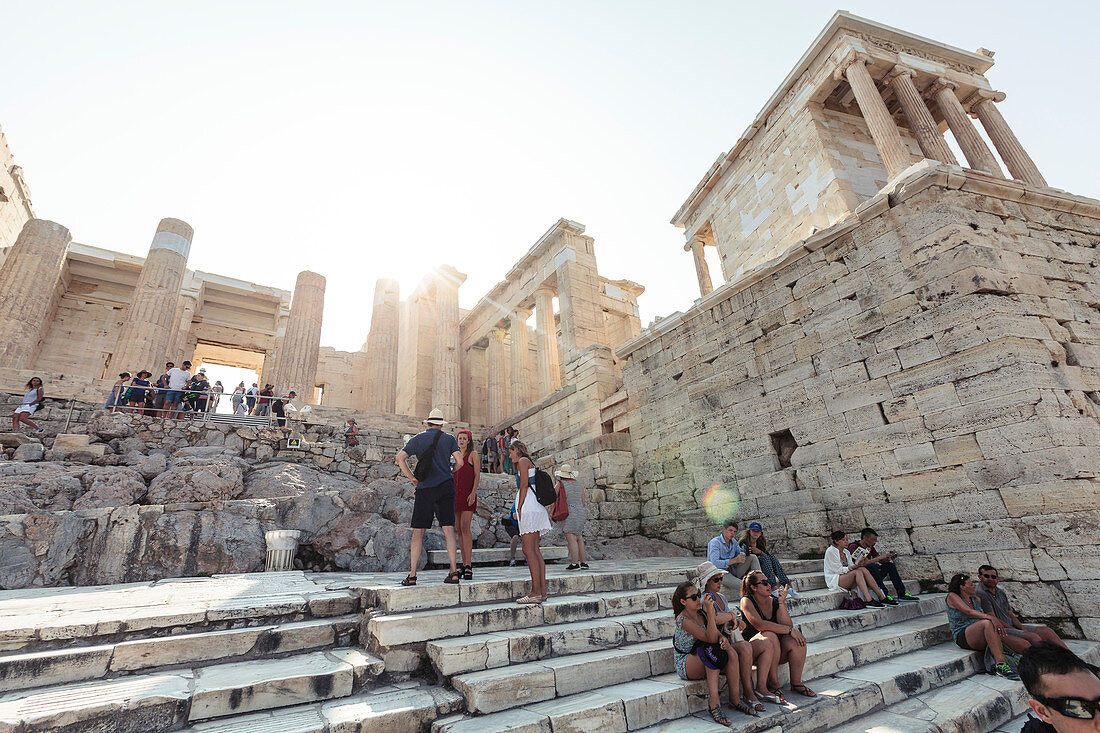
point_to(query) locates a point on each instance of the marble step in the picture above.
(979, 703)
(507, 686)
(665, 703)
(507, 584)
(44, 618)
(168, 700)
(23, 671)
(464, 654)
(388, 709)
(498, 556)
(430, 625)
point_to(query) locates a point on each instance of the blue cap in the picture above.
(756, 525)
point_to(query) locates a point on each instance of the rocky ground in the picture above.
(158, 506)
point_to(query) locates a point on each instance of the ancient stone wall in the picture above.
(15, 199)
(928, 366)
(340, 375)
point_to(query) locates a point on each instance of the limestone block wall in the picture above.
(341, 375)
(933, 363)
(15, 199)
(82, 336)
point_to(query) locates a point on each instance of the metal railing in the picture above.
(195, 404)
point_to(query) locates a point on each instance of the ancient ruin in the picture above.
(903, 339)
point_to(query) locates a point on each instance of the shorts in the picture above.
(173, 395)
(1028, 628)
(437, 501)
(29, 409)
(510, 527)
(960, 641)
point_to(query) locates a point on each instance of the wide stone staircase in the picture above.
(321, 653)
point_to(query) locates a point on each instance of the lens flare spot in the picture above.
(720, 503)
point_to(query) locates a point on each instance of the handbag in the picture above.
(425, 458)
(852, 604)
(559, 510)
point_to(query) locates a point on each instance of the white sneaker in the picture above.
(792, 593)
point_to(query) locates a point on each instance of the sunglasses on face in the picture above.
(990, 577)
(693, 597)
(763, 582)
(1072, 707)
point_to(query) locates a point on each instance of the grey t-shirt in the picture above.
(997, 605)
(440, 471)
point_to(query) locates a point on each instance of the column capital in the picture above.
(853, 56)
(981, 95)
(940, 84)
(899, 70)
(545, 289)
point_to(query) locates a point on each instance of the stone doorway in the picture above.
(231, 366)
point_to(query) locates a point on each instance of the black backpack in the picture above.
(424, 460)
(544, 488)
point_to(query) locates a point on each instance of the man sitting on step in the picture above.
(994, 601)
(1064, 690)
(727, 556)
(879, 564)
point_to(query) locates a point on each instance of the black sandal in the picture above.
(716, 714)
(409, 580)
(453, 578)
(468, 572)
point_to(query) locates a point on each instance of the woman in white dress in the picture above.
(32, 400)
(533, 521)
(841, 572)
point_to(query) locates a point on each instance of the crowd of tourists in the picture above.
(447, 477)
(177, 393)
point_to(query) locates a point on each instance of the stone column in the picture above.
(498, 372)
(446, 369)
(547, 329)
(702, 272)
(1019, 163)
(521, 375)
(145, 334)
(185, 315)
(895, 156)
(381, 372)
(922, 124)
(296, 360)
(974, 148)
(28, 280)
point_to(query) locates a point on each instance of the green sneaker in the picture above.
(1003, 670)
(905, 597)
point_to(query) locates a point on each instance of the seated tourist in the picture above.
(842, 572)
(730, 625)
(753, 543)
(972, 629)
(700, 651)
(879, 564)
(1064, 690)
(728, 556)
(767, 619)
(994, 601)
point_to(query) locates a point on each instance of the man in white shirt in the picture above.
(177, 381)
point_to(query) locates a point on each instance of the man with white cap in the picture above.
(435, 489)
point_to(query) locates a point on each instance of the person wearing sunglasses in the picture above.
(972, 629)
(767, 619)
(1064, 690)
(700, 651)
(995, 601)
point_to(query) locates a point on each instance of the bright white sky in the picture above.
(368, 139)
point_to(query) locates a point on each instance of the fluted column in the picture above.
(920, 119)
(1019, 163)
(446, 369)
(381, 372)
(498, 373)
(185, 315)
(702, 272)
(547, 329)
(895, 156)
(296, 360)
(974, 148)
(28, 279)
(144, 336)
(521, 375)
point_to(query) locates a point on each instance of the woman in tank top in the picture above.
(32, 400)
(973, 630)
(767, 620)
(532, 519)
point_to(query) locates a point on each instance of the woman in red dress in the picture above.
(466, 480)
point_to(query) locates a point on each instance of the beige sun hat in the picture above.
(705, 572)
(435, 417)
(566, 471)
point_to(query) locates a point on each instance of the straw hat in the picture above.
(566, 471)
(706, 571)
(435, 417)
